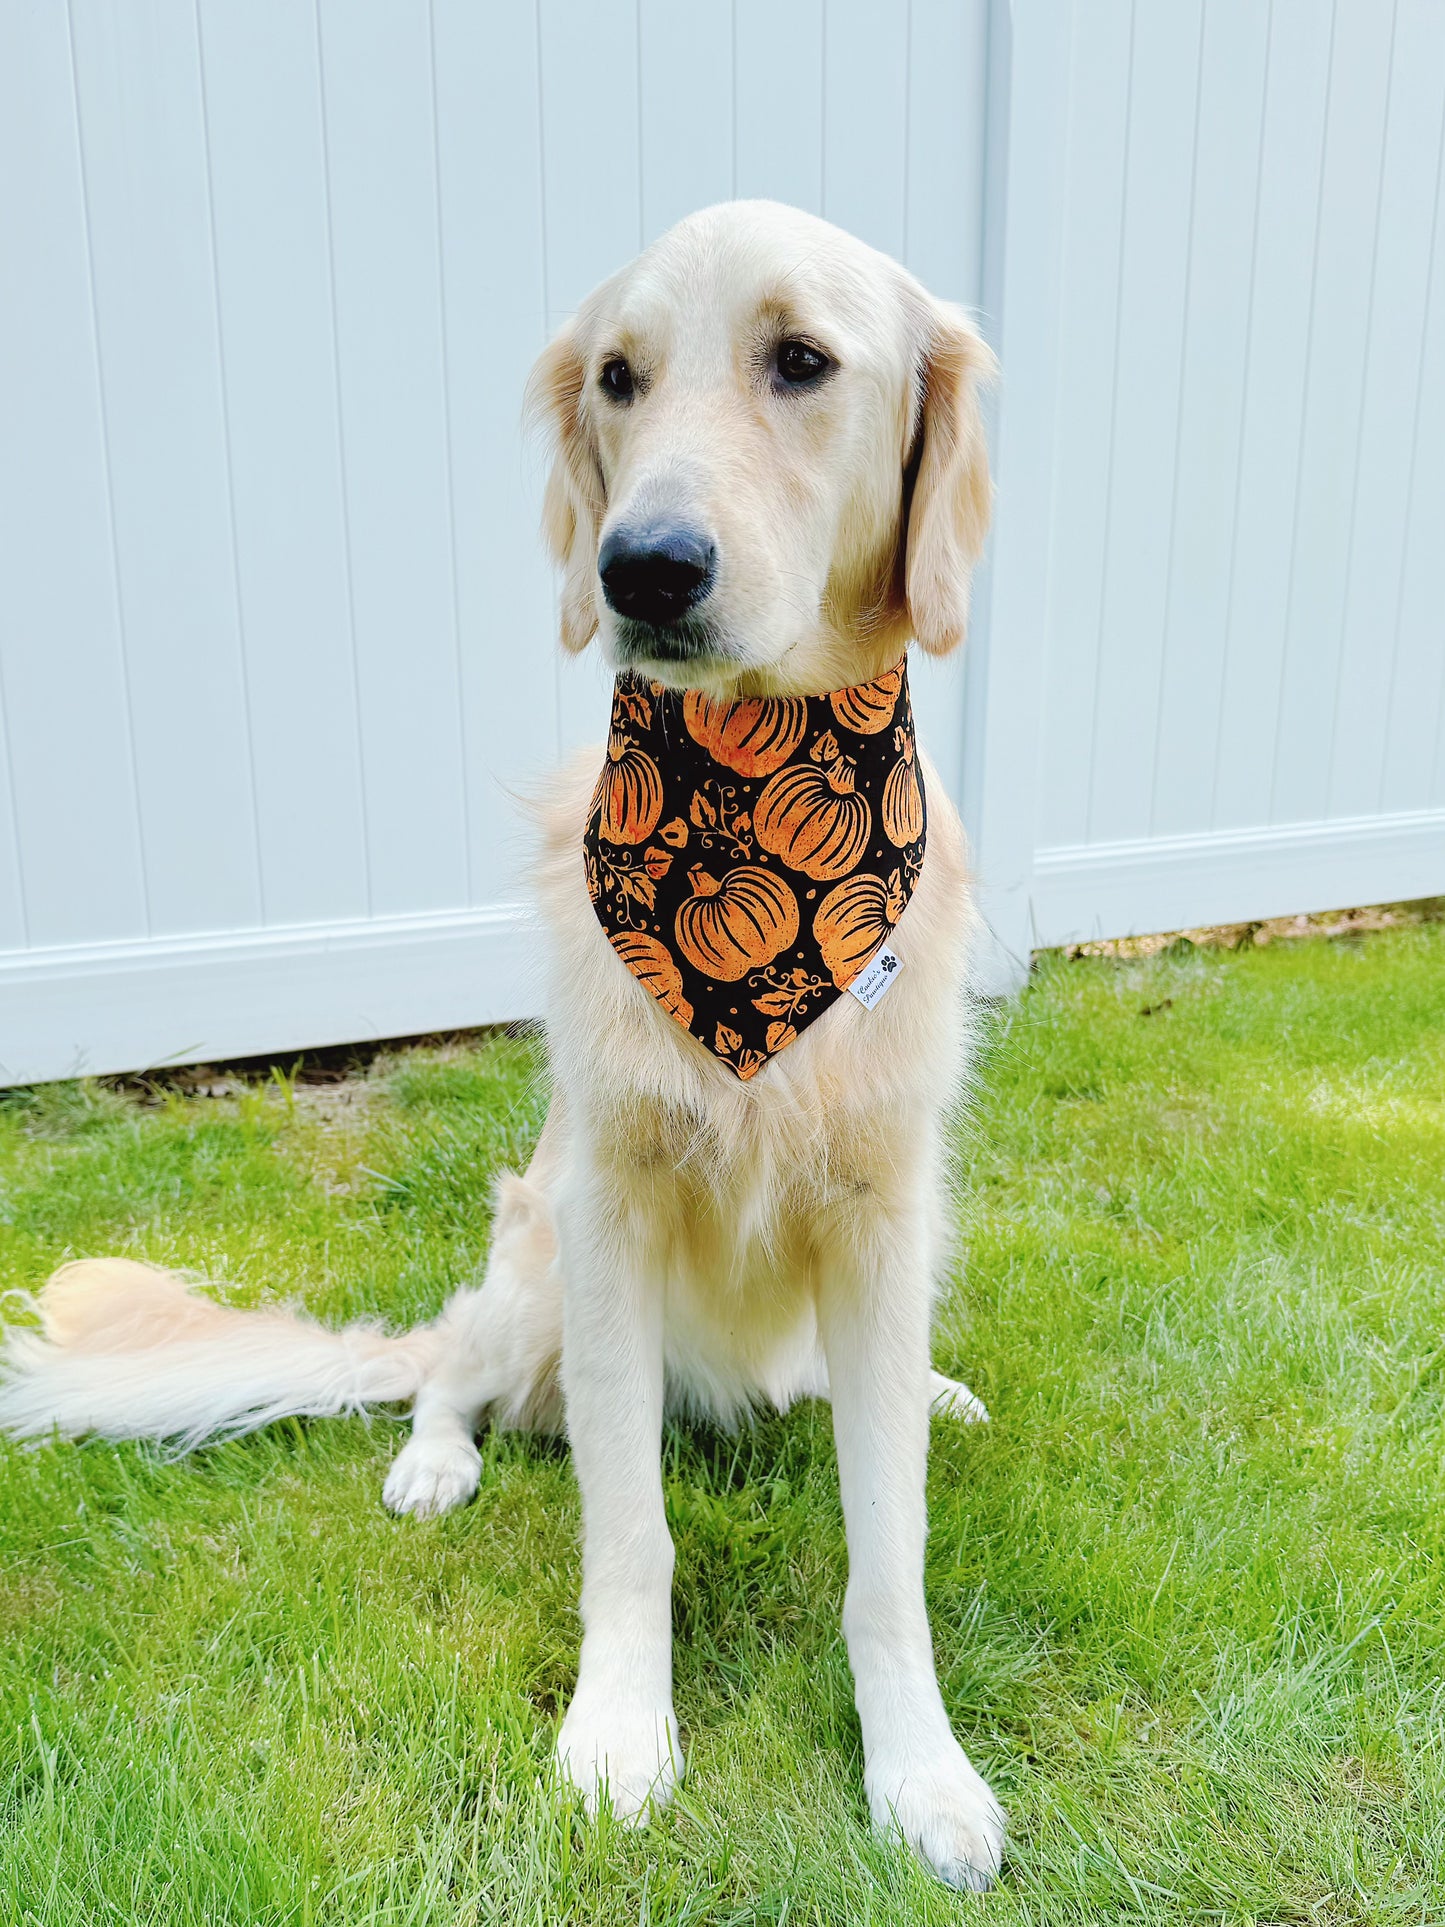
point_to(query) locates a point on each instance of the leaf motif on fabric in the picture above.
(634, 706)
(776, 1003)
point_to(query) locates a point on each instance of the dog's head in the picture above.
(770, 469)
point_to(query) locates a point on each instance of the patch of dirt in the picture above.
(333, 1120)
(333, 1107)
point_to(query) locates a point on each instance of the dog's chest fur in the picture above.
(745, 1188)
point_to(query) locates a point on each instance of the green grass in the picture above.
(1187, 1589)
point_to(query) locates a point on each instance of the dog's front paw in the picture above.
(945, 1812)
(629, 1758)
(951, 1398)
(432, 1475)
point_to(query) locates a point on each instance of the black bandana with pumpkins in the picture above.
(748, 858)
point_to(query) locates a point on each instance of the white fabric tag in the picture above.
(875, 977)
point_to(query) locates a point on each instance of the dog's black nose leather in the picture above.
(655, 574)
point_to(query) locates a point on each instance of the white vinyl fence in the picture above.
(1216, 677)
(276, 641)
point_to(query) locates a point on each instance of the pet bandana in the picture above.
(747, 859)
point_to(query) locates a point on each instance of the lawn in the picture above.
(1187, 1589)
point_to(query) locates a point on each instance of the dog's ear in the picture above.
(947, 493)
(574, 501)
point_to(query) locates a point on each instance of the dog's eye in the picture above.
(616, 379)
(799, 363)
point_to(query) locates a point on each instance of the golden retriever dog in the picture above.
(799, 419)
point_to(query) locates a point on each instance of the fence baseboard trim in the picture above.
(1086, 890)
(88, 1009)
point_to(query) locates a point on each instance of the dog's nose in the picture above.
(655, 574)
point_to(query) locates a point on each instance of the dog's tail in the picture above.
(128, 1352)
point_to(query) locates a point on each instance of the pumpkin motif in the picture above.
(855, 920)
(903, 795)
(629, 792)
(727, 929)
(748, 860)
(754, 735)
(869, 707)
(814, 818)
(652, 964)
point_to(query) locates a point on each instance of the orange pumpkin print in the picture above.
(629, 792)
(651, 962)
(855, 920)
(754, 735)
(903, 795)
(716, 828)
(814, 818)
(869, 707)
(727, 929)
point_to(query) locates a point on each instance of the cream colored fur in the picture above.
(125, 1351)
(682, 1238)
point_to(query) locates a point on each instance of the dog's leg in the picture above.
(498, 1360)
(619, 1741)
(873, 1319)
(439, 1467)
